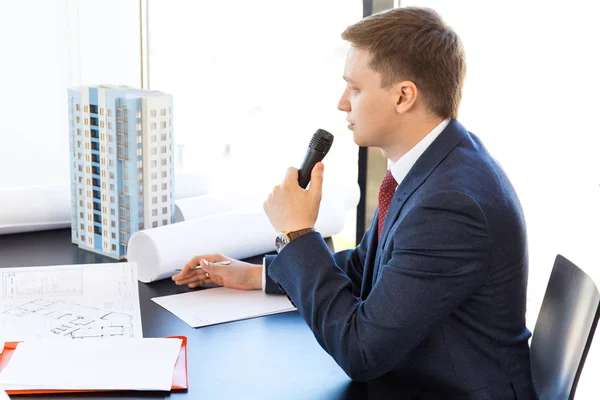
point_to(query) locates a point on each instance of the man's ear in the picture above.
(406, 96)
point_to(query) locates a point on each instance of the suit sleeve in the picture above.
(440, 255)
(350, 261)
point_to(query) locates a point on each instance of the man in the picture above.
(431, 304)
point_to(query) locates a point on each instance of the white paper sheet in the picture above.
(45, 207)
(93, 301)
(239, 233)
(135, 364)
(219, 305)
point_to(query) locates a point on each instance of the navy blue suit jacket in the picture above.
(435, 309)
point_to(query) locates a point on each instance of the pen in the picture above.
(226, 262)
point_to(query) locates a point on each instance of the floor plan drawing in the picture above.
(95, 301)
(75, 321)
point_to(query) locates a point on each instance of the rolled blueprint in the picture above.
(239, 233)
(35, 208)
(45, 207)
(216, 203)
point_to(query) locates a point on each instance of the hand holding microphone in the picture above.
(289, 207)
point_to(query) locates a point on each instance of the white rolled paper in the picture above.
(240, 233)
(216, 203)
(34, 208)
(45, 207)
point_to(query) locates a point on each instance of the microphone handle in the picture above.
(310, 159)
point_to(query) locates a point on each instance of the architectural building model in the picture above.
(122, 167)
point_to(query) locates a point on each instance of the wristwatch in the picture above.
(283, 238)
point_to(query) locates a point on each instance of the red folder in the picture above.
(180, 376)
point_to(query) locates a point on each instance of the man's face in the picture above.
(371, 109)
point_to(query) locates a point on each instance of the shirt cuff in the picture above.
(264, 274)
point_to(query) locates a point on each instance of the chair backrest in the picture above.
(564, 330)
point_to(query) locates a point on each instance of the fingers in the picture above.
(189, 273)
(291, 176)
(316, 180)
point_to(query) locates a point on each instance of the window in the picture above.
(110, 112)
(113, 235)
(153, 126)
(154, 212)
(153, 138)
(109, 125)
(154, 188)
(138, 127)
(154, 224)
(163, 124)
(153, 113)
(163, 149)
(153, 176)
(164, 222)
(114, 247)
(138, 114)
(112, 212)
(153, 163)
(312, 59)
(139, 139)
(154, 200)
(163, 174)
(164, 198)
(77, 107)
(153, 151)
(163, 186)
(165, 210)
(163, 162)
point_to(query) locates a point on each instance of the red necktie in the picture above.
(386, 192)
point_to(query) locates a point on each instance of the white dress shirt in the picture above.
(401, 167)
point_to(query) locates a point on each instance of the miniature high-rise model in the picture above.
(121, 147)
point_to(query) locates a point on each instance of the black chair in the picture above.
(564, 331)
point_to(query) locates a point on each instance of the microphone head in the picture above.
(321, 141)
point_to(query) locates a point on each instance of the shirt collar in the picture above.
(401, 167)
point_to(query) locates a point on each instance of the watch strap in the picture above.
(296, 234)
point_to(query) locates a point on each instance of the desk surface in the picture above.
(271, 357)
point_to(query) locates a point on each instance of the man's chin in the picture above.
(359, 140)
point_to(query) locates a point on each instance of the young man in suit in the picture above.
(431, 304)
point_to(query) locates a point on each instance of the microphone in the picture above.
(317, 150)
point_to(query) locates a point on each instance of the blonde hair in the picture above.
(415, 44)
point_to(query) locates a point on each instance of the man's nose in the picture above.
(343, 103)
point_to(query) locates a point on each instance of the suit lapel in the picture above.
(425, 165)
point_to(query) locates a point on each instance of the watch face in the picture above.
(280, 241)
